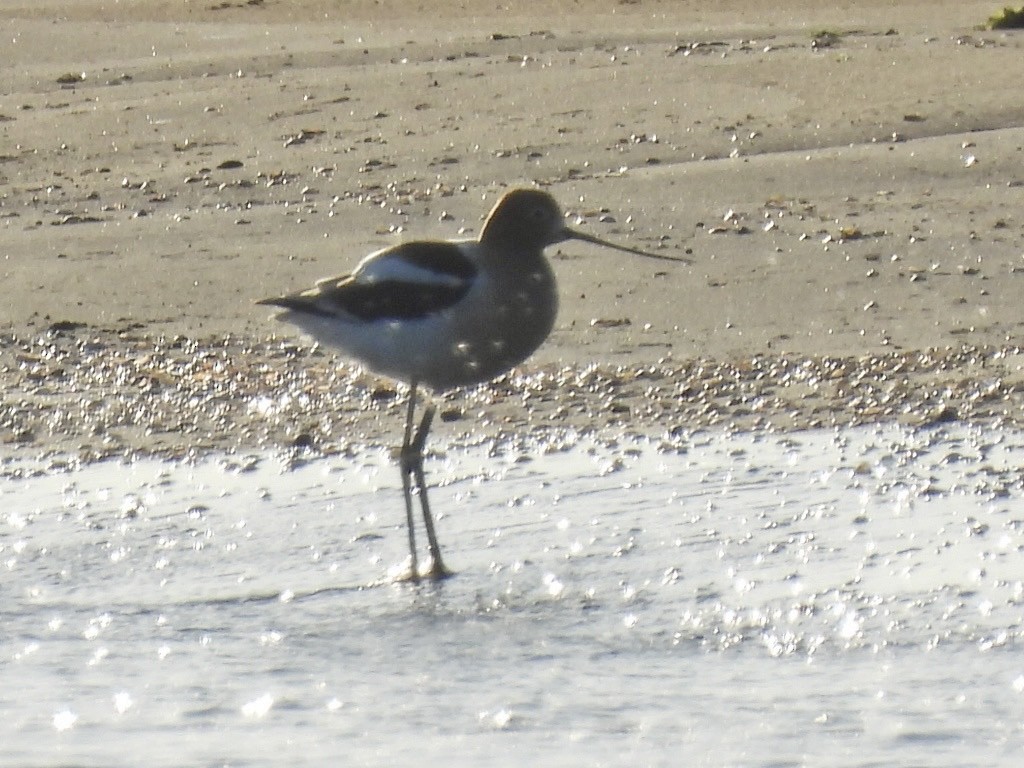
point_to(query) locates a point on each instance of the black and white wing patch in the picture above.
(407, 282)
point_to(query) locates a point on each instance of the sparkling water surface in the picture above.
(844, 598)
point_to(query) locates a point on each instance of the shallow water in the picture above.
(837, 598)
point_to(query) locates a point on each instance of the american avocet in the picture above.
(445, 314)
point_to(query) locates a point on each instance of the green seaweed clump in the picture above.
(1008, 19)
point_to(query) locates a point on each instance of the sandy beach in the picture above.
(761, 508)
(847, 181)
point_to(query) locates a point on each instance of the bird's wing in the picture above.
(423, 262)
(408, 281)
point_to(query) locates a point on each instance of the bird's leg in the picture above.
(437, 566)
(407, 461)
(411, 459)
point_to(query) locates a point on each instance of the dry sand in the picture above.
(849, 182)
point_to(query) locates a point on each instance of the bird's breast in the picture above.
(499, 324)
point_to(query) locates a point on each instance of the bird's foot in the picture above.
(407, 570)
(437, 571)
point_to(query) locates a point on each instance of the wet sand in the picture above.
(848, 182)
